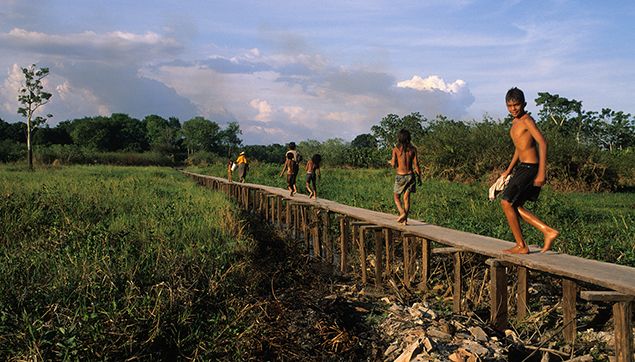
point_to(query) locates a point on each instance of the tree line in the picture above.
(588, 150)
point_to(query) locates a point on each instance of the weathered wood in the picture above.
(287, 216)
(327, 241)
(458, 284)
(362, 254)
(426, 246)
(448, 250)
(498, 291)
(522, 288)
(406, 260)
(605, 296)
(279, 210)
(378, 256)
(569, 296)
(611, 276)
(344, 232)
(389, 248)
(622, 318)
(315, 232)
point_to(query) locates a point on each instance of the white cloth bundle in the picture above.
(498, 187)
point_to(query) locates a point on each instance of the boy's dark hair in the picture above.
(317, 158)
(515, 94)
(289, 155)
(403, 138)
(292, 145)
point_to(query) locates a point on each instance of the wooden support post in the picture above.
(622, 320)
(327, 241)
(315, 232)
(296, 221)
(406, 260)
(498, 294)
(389, 248)
(362, 253)
(622, 316)
(522, 308)
(287, 215)
(458, 283)
(305, 226)
(569, 296)
(378, 256)
(344, 232)
(426, 246)
(279, 211)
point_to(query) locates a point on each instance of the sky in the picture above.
(293, 70)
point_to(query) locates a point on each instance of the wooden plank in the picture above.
(406, 260)
(607, 275)
(569, 296)
(315, 233)
(498, 291)
(448, 250)
(605, 296)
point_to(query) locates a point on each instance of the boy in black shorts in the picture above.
(527, 167)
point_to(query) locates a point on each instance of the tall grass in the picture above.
(114, 263)
(599, 226)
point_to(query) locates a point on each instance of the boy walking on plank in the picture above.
(404, 160)
(528, 175)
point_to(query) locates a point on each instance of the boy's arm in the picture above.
(542, 151)
(511, 164)
(283, 168)
(415, 164)
(393, 159)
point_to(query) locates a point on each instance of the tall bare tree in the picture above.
(32, 96)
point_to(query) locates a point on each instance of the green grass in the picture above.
(114, 263)
(598, 226)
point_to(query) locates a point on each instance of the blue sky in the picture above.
(297, 70)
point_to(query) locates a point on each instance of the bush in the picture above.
(11, 151)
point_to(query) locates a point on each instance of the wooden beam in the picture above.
(426, 246)
(344, 232)
(569, 296)
(315, 232)
(622, 316)
(389, 247)
(522, 288)
(458, 283)
(327, 241)
(605, 296)
(362, 254)
(448, 250)
(378, 256)
(498, 293)
(406, 260)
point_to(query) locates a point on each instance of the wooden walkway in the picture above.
(301, 216)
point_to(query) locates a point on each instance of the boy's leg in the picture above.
(402, 213)
(406, 204)
(550, 234)
(511, 213)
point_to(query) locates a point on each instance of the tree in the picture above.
(32, 96)
(162, 134)
(229, 137)
(201, 135)
(386, 131)
(364, 140)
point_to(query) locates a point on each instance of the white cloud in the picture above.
(263, 108)
(432, 83)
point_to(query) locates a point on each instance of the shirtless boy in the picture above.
(404, 160)
(527, 167)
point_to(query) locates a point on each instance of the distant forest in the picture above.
(588, 150)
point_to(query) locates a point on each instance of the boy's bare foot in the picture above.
(549, 238)
(517, 250)
(402, 218)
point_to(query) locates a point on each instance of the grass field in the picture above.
(115, 263)
(596, 226)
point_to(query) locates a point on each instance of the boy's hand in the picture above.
(419, 180)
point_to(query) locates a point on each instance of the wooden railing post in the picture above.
(327, 241)
(569, 296)
(344, 233)
(389, 248)
(362, 253)
(622, 320)
(498, 294)
(315, 232)
(378, 256)
(522, 308)
(425, 263)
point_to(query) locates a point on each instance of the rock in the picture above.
(478, 333)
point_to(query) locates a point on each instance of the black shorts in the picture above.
(310, 178)
(521, 186)
(291, 179)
